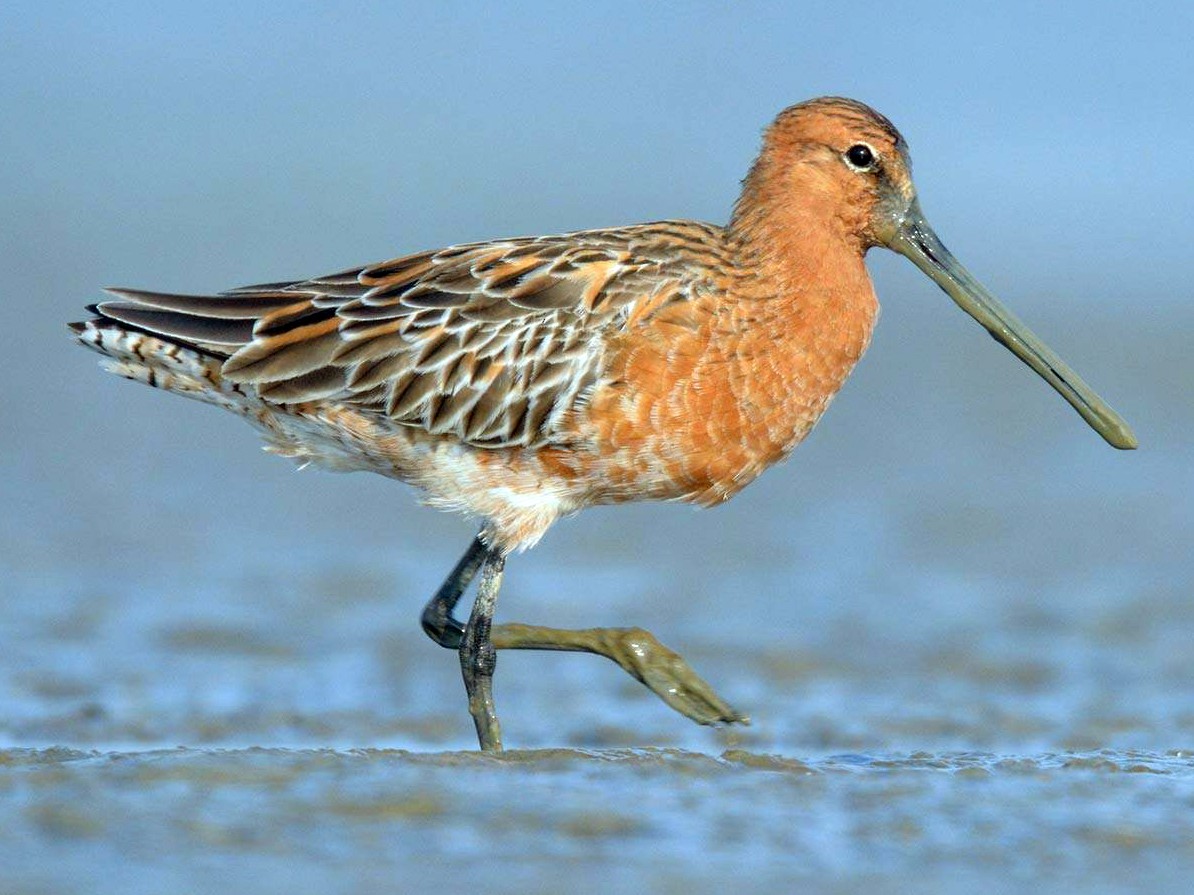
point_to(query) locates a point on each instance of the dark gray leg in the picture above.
(635, 650)
(438, 622)
(478, 657)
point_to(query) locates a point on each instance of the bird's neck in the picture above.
(807, 306)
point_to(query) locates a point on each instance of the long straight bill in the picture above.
(915, 239)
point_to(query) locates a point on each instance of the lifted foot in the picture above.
(641, 655)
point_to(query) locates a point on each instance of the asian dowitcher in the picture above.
(521, 380)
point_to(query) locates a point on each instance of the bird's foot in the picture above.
(662, 670)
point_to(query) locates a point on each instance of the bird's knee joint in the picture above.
(443, 629)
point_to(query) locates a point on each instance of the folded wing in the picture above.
(491, 343)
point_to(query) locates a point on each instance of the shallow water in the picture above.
(961, 626)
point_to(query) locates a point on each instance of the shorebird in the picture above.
(522, 380)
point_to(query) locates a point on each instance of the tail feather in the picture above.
(143, 357)
(194, 372)
(184, 342)
(280, 345)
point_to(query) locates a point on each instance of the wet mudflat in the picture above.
(590, 821)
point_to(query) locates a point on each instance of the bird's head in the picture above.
(837, 166)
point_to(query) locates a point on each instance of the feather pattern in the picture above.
(490, 343)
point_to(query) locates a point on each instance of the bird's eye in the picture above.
(860, 157)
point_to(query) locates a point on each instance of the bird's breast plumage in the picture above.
(699, 400)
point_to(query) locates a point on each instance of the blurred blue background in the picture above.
(951, 562)
(195, 147)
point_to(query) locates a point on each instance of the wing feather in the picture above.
(189, 328)
(490, 343)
